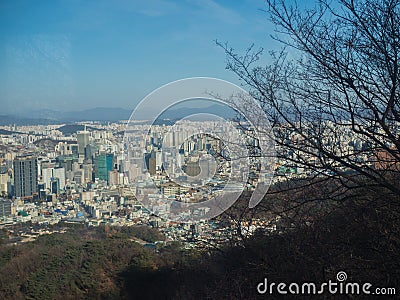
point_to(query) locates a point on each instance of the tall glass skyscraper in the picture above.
(83, 141)
(103, 163)
(25, 175)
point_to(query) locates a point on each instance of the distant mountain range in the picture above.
(104, 114)
(21, 120)
(46, 116)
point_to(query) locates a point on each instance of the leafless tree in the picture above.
(332, 95)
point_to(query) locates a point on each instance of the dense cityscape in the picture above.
(199, 149)
(80, 174)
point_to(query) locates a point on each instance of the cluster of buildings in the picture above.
(94, 173)
(192, 163)
(50, 175)
(369, 152)
(44, 173)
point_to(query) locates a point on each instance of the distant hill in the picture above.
(46, 116)
(73, 128)
(110, 114)
(102, 114)
(23, 120)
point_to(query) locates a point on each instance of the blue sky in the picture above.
(72, 55)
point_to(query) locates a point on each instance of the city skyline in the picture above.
(166, 149)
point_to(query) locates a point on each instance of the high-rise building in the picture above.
(83, 141)
(90, 151)
(54, 185)
(4, 180)
(66, 162)
(115, 178)
(103, 164)
(5, 207)
(159, 160)
(49, 173)
(88, 171)
(60, 174)
(152, 166)
(25, 175)
(150, 160)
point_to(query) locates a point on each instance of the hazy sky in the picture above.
(72, 54)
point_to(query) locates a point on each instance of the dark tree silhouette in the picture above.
(332, 95)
